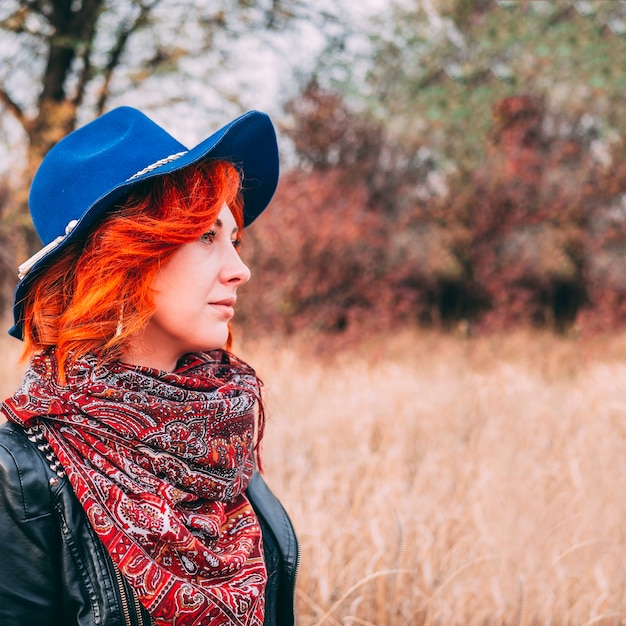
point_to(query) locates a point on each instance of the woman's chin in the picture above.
(217, 341)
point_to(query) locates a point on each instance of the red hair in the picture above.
(79, 300)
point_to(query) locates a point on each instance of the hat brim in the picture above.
(248, 142)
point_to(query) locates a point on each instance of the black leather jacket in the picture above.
(54, 571)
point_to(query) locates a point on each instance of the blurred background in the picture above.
(439, 296)
(446, 163)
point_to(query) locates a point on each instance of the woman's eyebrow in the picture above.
(219, 224)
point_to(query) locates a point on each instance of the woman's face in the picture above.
(195, 296)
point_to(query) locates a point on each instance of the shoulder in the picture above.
(270, 510)
(281, 552)
(24, 475)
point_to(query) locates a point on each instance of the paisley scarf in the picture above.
(160, 461)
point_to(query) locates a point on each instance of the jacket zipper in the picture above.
(295, 575)
(126, 604)
(138, 612)
(295, 582)
(123, 595)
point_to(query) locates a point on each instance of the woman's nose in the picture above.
(235, 270)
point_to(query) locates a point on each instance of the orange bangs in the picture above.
(98, 292)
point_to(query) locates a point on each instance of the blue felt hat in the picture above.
(89, 171)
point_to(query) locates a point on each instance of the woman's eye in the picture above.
(236, 243)
(208, 237)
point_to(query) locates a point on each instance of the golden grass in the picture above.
(444, 481)
(436, 480)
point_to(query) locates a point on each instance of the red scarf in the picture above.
(160, 461)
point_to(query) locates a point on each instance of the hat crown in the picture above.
(90, 162)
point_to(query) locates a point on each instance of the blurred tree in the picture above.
(493, 120)
(525, 217)
(440, 66)
(62, 59)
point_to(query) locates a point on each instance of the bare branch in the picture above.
(16, 21)
(14, 108)
(124, 33)
(88, 21)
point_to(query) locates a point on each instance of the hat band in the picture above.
(156, 164)
(25, 267)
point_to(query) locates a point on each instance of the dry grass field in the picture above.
(443, 481)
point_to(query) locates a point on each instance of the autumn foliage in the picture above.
(534, 235)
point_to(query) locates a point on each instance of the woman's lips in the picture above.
(226, 307)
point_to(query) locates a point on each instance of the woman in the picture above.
(128, 490)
